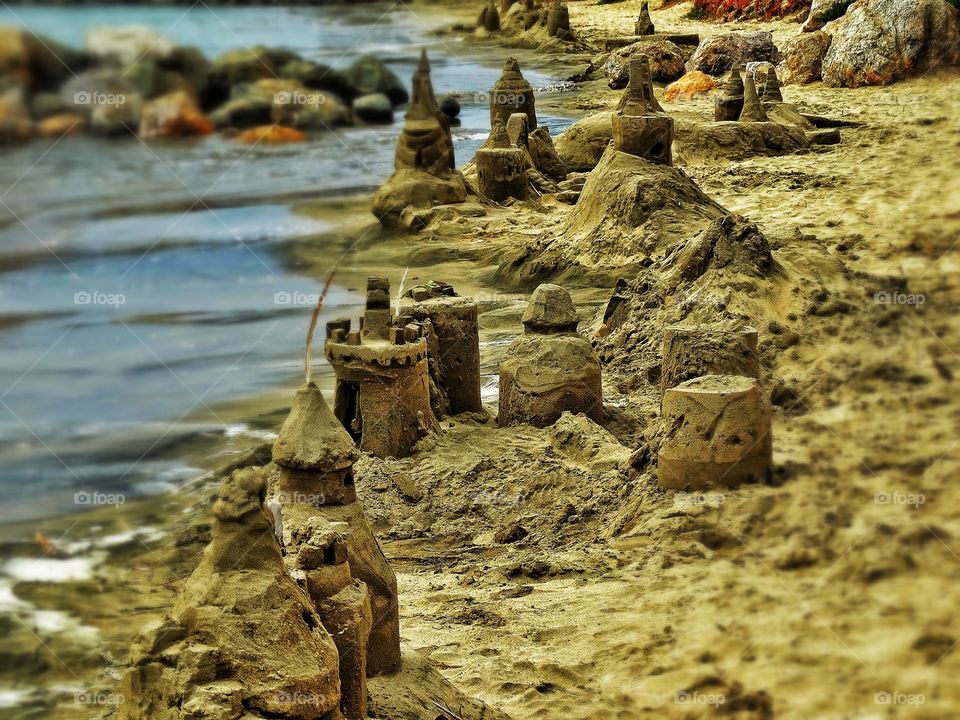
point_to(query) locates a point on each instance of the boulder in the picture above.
(692, 84)
(243, 113)
(15, 123)
(317, 76)
(373, 108)
(127, 45)
(450, 106)
(246, 65)
(116, 118)
(718, 54)
(56, 126)
(173, 115)
(802, 58)
(36, 62)
(582, 144)
(45, 104)
(187, 68)
(696, 142)
(309, 110)
(270, 135)
(106, 99)
(371, 75)
(666, 62)
(878, 42)
(545, 156)
(823, 11)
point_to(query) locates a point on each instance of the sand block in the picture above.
(718, 434)
(718, 349)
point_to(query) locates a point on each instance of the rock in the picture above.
(691, 84)
(309, 110)
(713, 142)
(374, 108)
(110, 119)
(143, 75)
(127, 45)
(56, 126)
(317, 76)
(15, 123)
(748, 9)
(36, 62)
(110, 103)
(244, 113)
(45, 104)
(187, 65)
(246, 65)
(450, 106)
(270, 135)
(666, 62)
(826, 136)
(582, 144)
(803, 58)
(545, 156)
(415, 189)
(823, 11)
(173, 115)
(408, 488)
(719, 54)
(370, 75)
(878, 42)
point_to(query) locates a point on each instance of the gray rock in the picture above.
(803, 58)
(373, 108)
(666, 62)
(370, 75)
(319, 77)
(878, 42)
(718, 54)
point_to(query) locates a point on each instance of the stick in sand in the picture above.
(313, 325)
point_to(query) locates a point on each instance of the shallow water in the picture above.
(142, 284)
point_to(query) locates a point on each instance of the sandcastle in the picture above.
(512, 94)
(383, 384)
(644, 25)
(313, 443)
(718, 434)
(558, 20)
(714, 410)
(453, 342)
(752, 107)
(502, 167)
(425, 143)
(729, 102)
(217, 654)
(771, 87)
(551, 368)
(489, 18)
(640, 126)
(343, 605)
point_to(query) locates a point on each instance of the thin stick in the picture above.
(313, 324)
(400, 289)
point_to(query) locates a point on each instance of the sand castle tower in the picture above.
(752, 107)
(425, 142)
(551, 368)
(502, 167)
(383, 384)
(771, 87)
(558, 20)
(718, 434)
(343, 605)
(217, 654)
(512, 94)
(453, 339)
(489, 18)
(717, 349)
(729, 102)
(640, 126)
(644, 25)
(319, 452)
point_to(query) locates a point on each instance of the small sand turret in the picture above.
(729, 102)
(489, 19)
(551, 368)
(771, 87)
(558, 20)
(644, 25)
(726, 348)
(425, 142)
(640, 126)
(512, 93)
(752, 107)
(383, 385)
(343, 605)
(502, 167)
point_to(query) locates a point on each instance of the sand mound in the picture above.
(720, 141)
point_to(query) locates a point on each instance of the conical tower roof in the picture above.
(311, 437)
(752, 107)
(423, 102)
(638, 98)
(771, 87)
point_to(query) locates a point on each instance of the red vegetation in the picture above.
(755, 9)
